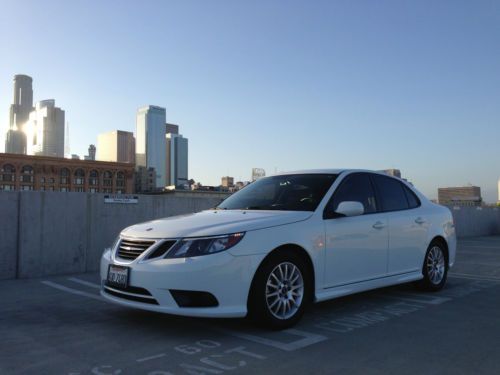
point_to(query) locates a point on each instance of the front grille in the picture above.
(131, 249)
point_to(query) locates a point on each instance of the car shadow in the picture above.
(194, 326)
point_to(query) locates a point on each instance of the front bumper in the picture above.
(225, 276)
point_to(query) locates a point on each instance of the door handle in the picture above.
(379, 225)
(419, 220)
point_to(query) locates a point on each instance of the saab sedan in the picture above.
(280, 244)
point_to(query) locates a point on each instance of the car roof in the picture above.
(328, 171)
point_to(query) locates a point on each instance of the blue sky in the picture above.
(281, 85)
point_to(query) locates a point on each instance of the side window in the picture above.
(391, 193)
(413, 201)
(358, 188)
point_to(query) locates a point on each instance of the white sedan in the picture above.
(281, 243)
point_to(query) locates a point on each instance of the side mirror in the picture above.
(350, 208)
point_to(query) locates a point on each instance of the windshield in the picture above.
(300, 192)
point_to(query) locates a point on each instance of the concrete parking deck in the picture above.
(61, 325)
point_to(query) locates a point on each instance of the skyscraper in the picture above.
(23, 101)
(150, 143)
(117, 145)
(172, 128)
(67, 148)
(45, 130)
(177, 159)
(15, 142)
(19, 113)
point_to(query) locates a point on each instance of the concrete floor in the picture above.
(60, 325)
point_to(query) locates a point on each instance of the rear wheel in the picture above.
(435, 269)
(280, 291)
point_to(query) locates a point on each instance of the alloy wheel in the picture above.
(435, 265)
(284, 290)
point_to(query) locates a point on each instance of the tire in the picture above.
(280, 292)
(435, 267)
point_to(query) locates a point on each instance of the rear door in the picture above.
(407, 224)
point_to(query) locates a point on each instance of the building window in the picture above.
(26, 174)
(26, 187)
(120, 191)
(107, 179)
(6, 187)
(52, 180)
(8, 173)
(63, 189)
(79, 177)
(42, 180)
(93, 190)
(79, 189)
(93, 178)
(120, 179)
(105, 190)
(51, 188)
(42, 188)
(64, 177)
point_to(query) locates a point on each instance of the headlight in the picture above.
(192, 247)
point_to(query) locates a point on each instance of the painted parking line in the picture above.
(362, 318)
(470, 276)
(472, 246)
(406, 302)
(72, 291)
(416, 298)
(83, 282)
(306, 339)
(150, 358)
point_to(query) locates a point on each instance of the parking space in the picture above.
(60, 325)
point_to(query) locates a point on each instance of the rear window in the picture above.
(391, 193)
(413, 201)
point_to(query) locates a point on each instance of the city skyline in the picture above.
(344, 85)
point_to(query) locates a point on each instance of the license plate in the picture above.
(118, 276)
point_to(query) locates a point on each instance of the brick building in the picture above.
(26, 172)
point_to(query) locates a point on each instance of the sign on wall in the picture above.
(121, 198)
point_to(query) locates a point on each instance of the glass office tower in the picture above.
(151, 150)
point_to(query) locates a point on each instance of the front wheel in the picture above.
(435, 269)
(280, 291)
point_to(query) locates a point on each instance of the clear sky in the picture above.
(281, 85)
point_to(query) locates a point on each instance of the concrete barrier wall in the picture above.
(476, 221)
(50, 233)
(9, 215)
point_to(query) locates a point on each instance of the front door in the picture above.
(356, 246)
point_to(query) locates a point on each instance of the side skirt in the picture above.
(344, 290)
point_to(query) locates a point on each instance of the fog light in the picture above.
(188, 298)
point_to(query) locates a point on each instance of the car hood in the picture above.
(213, 222)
